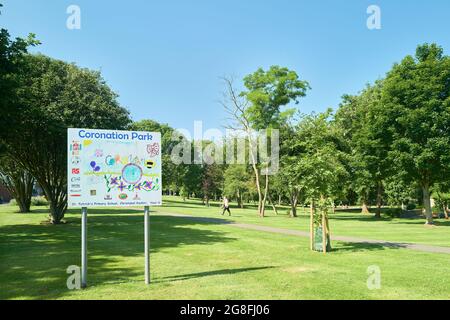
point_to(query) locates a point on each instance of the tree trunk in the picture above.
(311, 226)
(324, 233)
(272, 204)
(24, 191)
(57, 198)
(263, 205)
(446, 212)
(255, 170)
(20, 184)
(279, 199)
(294, 202)
(365, 207)
(379, 199)
(427, 204)
(239, 198)
(293, 210)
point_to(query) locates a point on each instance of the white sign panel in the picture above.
(113, 168)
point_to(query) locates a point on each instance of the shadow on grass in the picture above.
(362, 217)
(34, 258)
(437, 223)
(367, 246)
(210, 273)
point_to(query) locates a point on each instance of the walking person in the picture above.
(226, 206)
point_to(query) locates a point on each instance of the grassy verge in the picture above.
(342, 223)
(194, 260)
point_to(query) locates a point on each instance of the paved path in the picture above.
(399, 245)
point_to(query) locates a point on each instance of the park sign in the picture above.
(109, 168)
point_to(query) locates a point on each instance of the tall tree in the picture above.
(289, 177)
(259, 108)
(236, 179)
(368, 141)
(416, 109)
(11, 54)
(55, 96)
(212, 182)
(18, 181)
(321, 165)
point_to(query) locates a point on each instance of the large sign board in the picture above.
(113, 168)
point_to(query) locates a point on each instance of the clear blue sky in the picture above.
(164, 58)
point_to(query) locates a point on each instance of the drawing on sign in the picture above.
(115, 168)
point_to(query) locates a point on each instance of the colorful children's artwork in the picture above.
(113, 168)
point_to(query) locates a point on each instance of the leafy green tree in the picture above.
(259, 108)
(11, 54)
(267, 91)
(212, 182)
(17, 181)
(320, 166)
(191, 179)
(368, 142)
(416, 110)
(441, 194)
(236, 179)
(399, 192)
(288, 180)
(55, 96)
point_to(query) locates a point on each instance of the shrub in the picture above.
(39, 201)
(13, 202)
(411, 206)
(394, 212)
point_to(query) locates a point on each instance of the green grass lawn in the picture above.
(342, 223)
(199, 260)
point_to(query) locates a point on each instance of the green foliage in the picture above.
(416, 98)
(236, 182)
(212, 181)
(367, 141)
(321, 161)
(166, 133)
(12, 53)
(54, 96)
(397, 191)
(269, 90)
(394, 212)
(39, 201)
(18, 181)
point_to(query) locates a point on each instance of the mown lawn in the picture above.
(198, 260)
(342, 223)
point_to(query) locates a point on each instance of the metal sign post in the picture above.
(84, 247)
(147, 244)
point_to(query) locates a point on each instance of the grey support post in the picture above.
(147, 244)
(84, 247)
